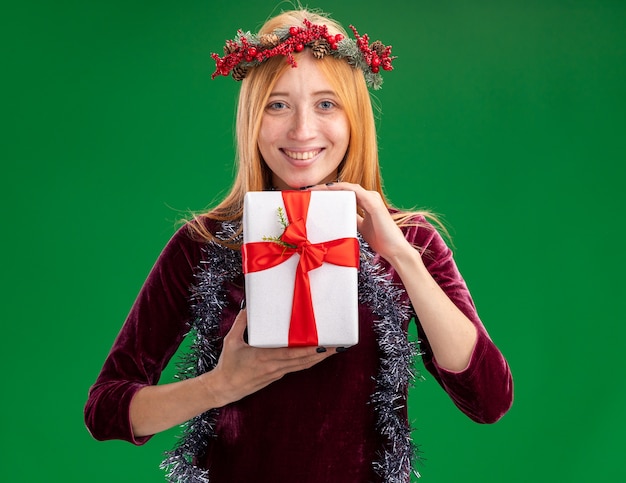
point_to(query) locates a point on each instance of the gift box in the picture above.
(300, 260)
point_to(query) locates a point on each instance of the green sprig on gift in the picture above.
(284, 223)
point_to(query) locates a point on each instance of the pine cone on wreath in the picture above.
(230, 47)
(269, 41)
(320, 48)
(239, 73)
(378, 47)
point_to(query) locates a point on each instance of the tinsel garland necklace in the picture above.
(249, 50)
(376, 290)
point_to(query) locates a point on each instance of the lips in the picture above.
(302, 155)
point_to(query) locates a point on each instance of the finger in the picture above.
(305, 362)
(290, 359)
(359, 223)
(364, 198)
(239, 325)
(333, 186)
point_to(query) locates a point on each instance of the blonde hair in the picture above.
(360, 164)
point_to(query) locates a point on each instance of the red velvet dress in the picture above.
(318, 425)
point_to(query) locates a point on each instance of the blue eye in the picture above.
(327, 105)
(277, 105)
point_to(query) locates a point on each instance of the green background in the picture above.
(508, 117)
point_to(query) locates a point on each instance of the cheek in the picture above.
(263, 140)
(343, 134)
(342, 127)
(347, 136)
(268, 133)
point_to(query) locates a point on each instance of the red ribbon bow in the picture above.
(259, 256)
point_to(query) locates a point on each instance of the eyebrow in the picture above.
(316, 93)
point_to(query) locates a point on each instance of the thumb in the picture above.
(239, 325)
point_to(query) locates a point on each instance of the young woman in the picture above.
(305, 414)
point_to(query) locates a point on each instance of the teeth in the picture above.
(302, 155)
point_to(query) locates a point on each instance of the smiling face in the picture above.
(304, 132)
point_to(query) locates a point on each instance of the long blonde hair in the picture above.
(360, 164)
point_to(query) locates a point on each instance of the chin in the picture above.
(295, 184)
(298, 182)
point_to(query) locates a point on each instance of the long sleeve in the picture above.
(152, 332)
(484, 389)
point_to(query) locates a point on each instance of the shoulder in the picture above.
(420, 230)
(196, 233)
(186, 245)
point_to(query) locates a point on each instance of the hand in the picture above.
(243, 369)
(375, 224)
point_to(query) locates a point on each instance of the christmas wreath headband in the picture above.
(249, 50)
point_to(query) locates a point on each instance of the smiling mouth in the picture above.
(302, 155)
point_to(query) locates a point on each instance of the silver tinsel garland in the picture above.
(376, 290)
(208, 299)
(396, 371)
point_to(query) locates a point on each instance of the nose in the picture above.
(302, 125)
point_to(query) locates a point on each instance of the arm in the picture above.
(483, 389)
(153, 330)
(459, 351)
(451, 334)
(126, 402)
(241, 370)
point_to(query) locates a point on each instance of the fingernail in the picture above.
(341, 349)
(320, 350)
(243, 304)
(307, 187)
(330, 183)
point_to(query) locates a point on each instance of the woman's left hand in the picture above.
(374, 221)
(452, 336)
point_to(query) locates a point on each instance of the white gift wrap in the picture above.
(269, 293)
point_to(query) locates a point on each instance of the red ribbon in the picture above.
(259, 256)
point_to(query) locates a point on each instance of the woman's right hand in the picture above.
(242, 369)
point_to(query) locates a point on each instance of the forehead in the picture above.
(308, 76)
